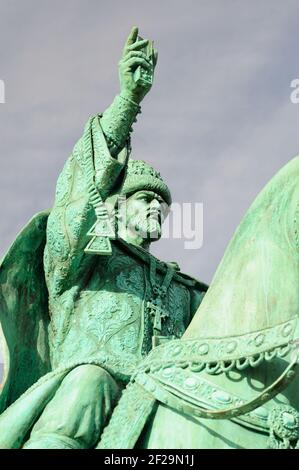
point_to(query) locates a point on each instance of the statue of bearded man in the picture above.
(82, 299)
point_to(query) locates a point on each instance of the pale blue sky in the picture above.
(218, 123)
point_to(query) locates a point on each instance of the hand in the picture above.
(133, 57)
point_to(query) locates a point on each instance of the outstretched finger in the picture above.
(138, 45)
(132, 36)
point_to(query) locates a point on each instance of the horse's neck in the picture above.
(256, 284)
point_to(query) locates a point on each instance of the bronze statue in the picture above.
(86, 310)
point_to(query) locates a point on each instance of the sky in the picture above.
(218, 122)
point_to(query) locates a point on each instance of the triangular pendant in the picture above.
(99, 246)
(102, 228)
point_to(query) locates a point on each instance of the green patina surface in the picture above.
(109, 347)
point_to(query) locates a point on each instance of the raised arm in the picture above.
(138, 55)
(92, 171)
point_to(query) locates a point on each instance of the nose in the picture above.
(155, 204)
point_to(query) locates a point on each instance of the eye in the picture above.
(144, 197)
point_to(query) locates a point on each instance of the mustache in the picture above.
(145, 224)
(154, 214)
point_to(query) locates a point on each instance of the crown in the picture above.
(141, 176)
(139, 167)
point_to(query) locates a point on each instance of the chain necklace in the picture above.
(155, 305)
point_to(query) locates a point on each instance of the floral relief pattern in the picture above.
(106, 316)
(131, 280)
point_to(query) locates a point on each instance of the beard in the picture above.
(148, 228)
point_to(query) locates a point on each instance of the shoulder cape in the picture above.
(24, 315)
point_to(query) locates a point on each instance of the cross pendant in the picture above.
(158, 315)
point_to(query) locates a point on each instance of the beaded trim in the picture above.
(193, 396)
(197, 397)
(216, 355)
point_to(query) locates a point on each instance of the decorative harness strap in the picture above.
(169, 395)
(179, 386)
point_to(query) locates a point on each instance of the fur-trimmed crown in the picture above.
(141, 176)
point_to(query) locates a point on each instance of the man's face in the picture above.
(145, 213)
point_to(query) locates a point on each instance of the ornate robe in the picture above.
(61, 307)
(99, 304)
